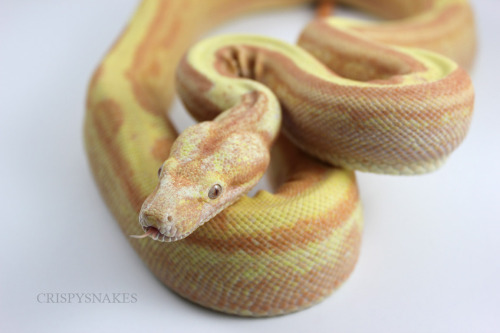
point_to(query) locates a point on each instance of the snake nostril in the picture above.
(169, 218)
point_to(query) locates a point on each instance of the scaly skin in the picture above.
(387, 109)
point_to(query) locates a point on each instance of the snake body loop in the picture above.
(351, 96)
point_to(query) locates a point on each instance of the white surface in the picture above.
(429, 260)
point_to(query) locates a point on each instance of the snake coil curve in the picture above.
(378, 97)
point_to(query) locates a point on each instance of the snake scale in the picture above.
(381, 97)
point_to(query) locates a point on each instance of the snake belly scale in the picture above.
(350, 96)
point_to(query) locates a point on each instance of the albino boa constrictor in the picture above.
(343, 96)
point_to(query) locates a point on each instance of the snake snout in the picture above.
(162, 229)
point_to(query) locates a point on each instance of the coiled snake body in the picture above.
(346, 98)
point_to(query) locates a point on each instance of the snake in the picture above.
(389, 96)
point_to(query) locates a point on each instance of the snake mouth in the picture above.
(157, 235)
(159, 231)
(153, 232)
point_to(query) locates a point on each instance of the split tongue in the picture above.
(150, 231)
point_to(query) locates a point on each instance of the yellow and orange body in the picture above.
(351, 96)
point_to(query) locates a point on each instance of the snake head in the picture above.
(204, 174)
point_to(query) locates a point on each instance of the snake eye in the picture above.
(215, 191)
(159, 171)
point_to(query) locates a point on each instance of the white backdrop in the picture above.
(429, 260)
